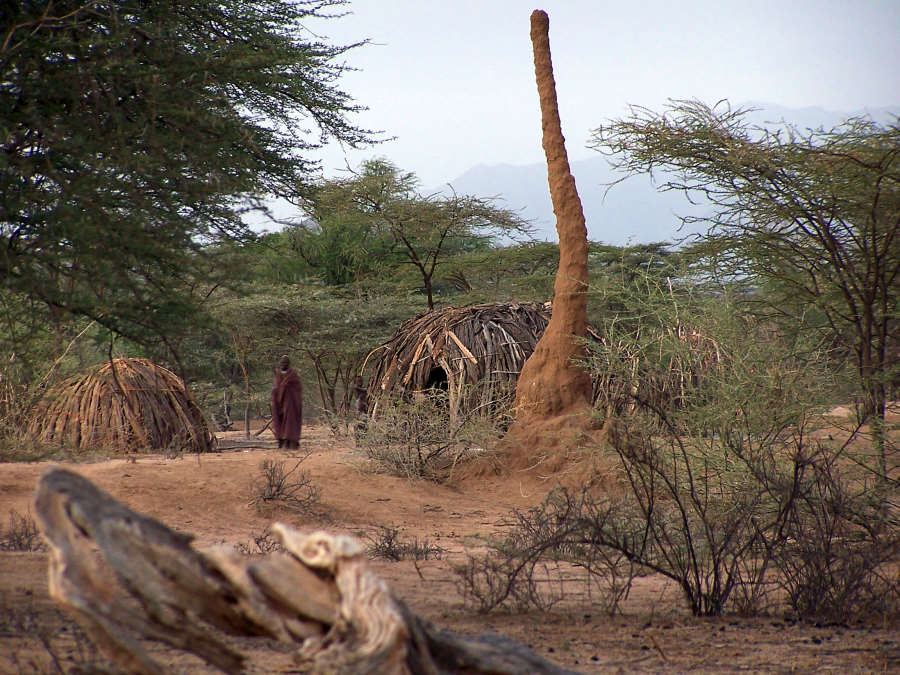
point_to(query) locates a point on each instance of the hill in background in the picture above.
(631, 211)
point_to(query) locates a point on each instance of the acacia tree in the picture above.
(133, 135)
(813, 215)
(395, 224)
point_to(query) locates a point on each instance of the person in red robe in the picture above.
(287, 405)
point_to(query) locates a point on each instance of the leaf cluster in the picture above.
(135, 134)
(376, 221)
(806, 222)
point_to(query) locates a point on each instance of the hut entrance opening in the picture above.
(437, 379)
(437, 389)
(462, 356)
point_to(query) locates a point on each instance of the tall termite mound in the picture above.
(553, 394)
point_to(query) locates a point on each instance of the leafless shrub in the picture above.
(842, 544)
(260, 543)
(386, 543)
(66, 647)
(275, 487)
(21, 534)
(736, 493)
(546, 553)
(517, 582)
(422, 439)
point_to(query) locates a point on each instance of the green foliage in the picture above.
(135, 134)
(40, 346)
(808, 222)
(343, 248)
(522, 272)
(527, 271)
(273, 259)
(376, 221)
(327, 331)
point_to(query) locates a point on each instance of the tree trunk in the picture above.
(872, 376)
(550, 385)
(428, 293)
(314, 607)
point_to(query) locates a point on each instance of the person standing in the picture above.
(287, 405)
(360, 405)
(360, 397)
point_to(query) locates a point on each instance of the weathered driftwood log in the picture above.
(316, 607)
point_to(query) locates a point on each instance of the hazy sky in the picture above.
(454, 80)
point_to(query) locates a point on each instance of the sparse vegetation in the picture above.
(714, 366)
(420, 439)
(727, 484)
(260, 543)
(21, 534)
(530, 568)
(804, 223)
(275, 487)
(61, 644)
(387, 543)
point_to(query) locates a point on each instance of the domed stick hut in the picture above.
(124, 404)
(456, 347)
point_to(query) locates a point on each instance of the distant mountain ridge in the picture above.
(632, 211)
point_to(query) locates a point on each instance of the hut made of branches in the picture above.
(457, 347)
(123, 404)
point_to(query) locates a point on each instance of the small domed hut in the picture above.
(457, 347)
(124, 404)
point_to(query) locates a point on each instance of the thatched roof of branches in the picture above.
(457, 347)
(125, 404)
(487, 344)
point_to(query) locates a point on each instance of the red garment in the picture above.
(287, 405)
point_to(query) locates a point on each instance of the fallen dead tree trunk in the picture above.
(316, 607)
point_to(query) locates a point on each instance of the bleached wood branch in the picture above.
(316, 606)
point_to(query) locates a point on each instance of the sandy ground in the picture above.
(208, 497)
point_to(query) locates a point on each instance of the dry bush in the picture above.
(743, 499)
(840, 557)
(21, 534)
(546, 556)
(516, 582)
(51, 643)
(276, 487)
(260, 543)
(386, 543)
(738, 494)
(419, 438)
